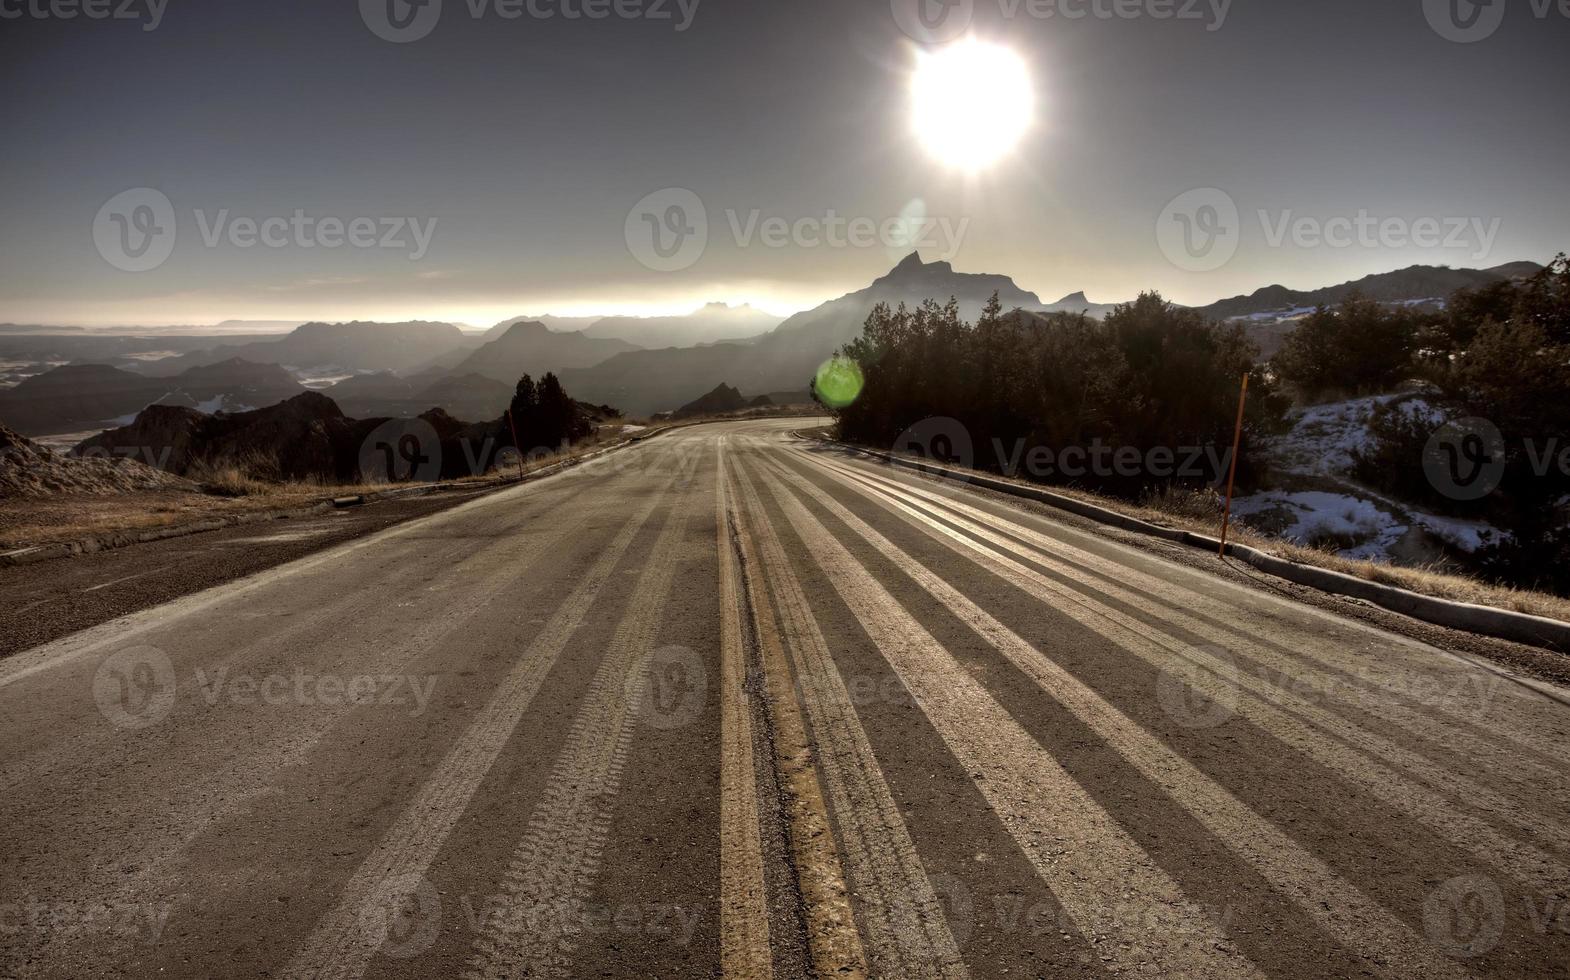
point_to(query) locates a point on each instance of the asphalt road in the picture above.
(729, 703)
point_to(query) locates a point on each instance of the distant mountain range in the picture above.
(708, 324)
(642, 382)
(1410, 285)
(82, 396)
(357, 346)
(533, 348)
(73, 380)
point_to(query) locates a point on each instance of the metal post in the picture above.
(1237, 443)
(519, 449)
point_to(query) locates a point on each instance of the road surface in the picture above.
(734, 704)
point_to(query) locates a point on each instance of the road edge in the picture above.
(113, 540)
(1490, 621)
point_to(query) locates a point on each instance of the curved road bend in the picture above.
(730, 704)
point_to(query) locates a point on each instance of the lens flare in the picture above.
(839, 382)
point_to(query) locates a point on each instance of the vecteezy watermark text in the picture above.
(669, 230)
(1200, 230)
(940, 21)
(136, 230)
(107, 918)
(149, 12)
(137, 687)
(403, 21)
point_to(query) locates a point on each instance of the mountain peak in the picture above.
(911, 268)
(1073, 299)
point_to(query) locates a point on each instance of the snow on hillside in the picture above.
(1316, 501)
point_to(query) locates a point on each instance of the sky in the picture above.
(473, 166)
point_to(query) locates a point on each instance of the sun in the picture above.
(971, 102)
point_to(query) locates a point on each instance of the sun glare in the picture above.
(971, 102)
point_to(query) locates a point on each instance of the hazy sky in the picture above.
(529, 141)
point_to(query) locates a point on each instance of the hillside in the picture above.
(79, 396)
(1409, 285)
(648, 381)
(356, 346)
(708, 324)
(533, 348)
(30, 470)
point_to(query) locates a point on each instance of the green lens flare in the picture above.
(839, 381)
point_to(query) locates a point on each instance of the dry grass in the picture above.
(1200, 511)
(231, 489)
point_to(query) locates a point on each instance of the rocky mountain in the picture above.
(30, 470)
(467, 396)
(80, 396)
(356, 346)
(559, 324)
(533, 348)
(306, 437)
(1077, 303)
(722, 399)
(708, 324)
(785, 359)
(1414, 284)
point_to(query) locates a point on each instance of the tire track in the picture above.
(744, 917)
(1286, 717)
(347, 937)
(905, 928)
(1040, 804)
(1356, 921)
(1522, 759)
(547, 881)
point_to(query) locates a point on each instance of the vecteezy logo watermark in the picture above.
(670, 689)
(1197, 695)
(1199, 230)
(136, 230)
(401, 451)
(1464, 21)
(1470, 21)
(149, 12)
(1465, 459)
(408, 923)
(933, 21)
(135, 687)
(402, 21)
(940, 21)
(1465, 916)
(668, 230)
(941, 440)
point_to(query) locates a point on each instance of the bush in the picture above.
(545, 416)
(1151, 376)
(1357, 348)
(1502, 354)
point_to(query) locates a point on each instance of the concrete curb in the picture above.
(122, 539)
(1504, 624)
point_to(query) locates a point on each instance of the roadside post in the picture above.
(1237, 442)
(514, 427)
